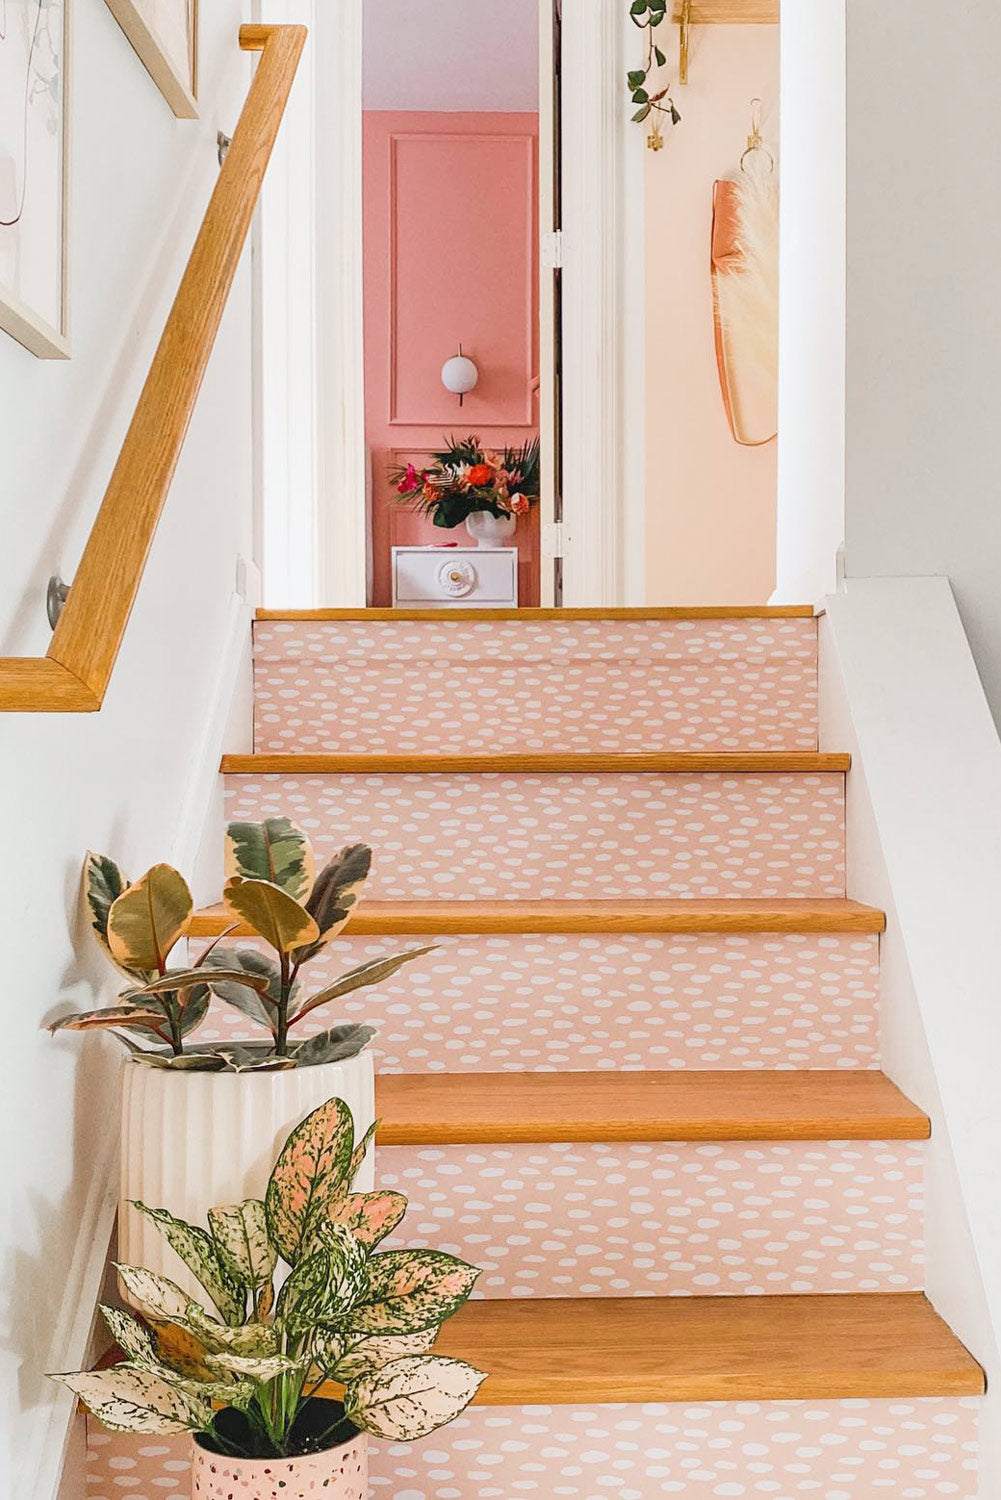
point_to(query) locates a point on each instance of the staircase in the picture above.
(638, 1082)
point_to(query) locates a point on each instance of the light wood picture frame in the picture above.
(35, 76)
(164, 34)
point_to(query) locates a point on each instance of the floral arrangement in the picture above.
(272, 889)
(344, 1312)
(466, 477)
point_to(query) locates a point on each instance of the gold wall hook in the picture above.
(685, 33)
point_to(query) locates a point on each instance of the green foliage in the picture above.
(648, 15)
(273, 889)
(366, 1320)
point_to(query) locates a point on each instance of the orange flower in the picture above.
(479, 474)
(519, 504)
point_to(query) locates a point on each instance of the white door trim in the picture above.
(314, 464)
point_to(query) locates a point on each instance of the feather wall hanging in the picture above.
(745, 275)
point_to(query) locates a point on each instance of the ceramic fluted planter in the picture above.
(339, 1473)
(195, 1141)
(488, 530)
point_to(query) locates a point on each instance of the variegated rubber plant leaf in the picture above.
(273, 914)
(310, 1173)
(128, 1016)
(148, 918)
(374, 971)
(103, 883)
(411, 1289)
(276, 850)
(334, 896)
(410, 1397)
(258, 996)
(335, 1045)
(240, 1231)
(198, 1252)
(126, 1399)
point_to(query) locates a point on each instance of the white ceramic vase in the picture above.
(194, 1141)
(335, 1474)
(487, 530)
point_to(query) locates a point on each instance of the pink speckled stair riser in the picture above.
(721, 1450)
(677, 1219)
(492, 1004)
(498, 837)
(614, 685)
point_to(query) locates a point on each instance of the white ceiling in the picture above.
(451, 54)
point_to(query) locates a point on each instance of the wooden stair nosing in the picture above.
(586, 763)
(792, 916)
(637, 612)
(451, 1109)
(569, 1351)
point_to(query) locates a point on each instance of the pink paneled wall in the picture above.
(450, 220)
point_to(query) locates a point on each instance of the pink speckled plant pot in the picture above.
(339, 1473)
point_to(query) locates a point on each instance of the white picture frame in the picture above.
(35, 80)
(164, 35)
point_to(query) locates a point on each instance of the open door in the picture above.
(550, 286)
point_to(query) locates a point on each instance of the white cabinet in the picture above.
(439, 577)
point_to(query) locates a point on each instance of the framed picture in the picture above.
(164, 33)
(34, 174)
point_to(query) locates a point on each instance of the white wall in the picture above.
(924, 317)
(451, 55)
(811, 472)
(899, 689)
(134, 779)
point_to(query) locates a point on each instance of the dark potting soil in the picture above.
(315, 1419)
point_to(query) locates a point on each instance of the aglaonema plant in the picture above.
(271, 888)
(344, 1312)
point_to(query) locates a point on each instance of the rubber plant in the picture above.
(273, 889)
(344, 1311)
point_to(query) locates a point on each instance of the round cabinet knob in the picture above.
(457, 578)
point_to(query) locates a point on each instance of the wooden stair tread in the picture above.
(684, 915)
(447, 1109)
(762, 762)
(568, 1350)
(640, 612)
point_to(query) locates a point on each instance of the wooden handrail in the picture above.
(74, 675)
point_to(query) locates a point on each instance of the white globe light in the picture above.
(459, 375)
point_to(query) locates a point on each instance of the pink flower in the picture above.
(410, 483)
(519, 504)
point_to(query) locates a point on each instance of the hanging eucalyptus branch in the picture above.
(647, 15)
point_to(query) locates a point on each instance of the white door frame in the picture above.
(313, 456)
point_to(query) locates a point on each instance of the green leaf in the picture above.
(130, 1400)
(411, 1289)
(638, 7)
(363, 1356)
(259, 1370)
(358, 1154)
(179, 979)
(257, 997)
(251, 1057)
(276, 850)
(641, 114)
(240, 1231)
(373, 971)
(411, 1397)
(635, 78)
(333, 1046)
(148, 918)
(156, 1296)
(334, 896)
(198, 1252)
(661, 59)
(254, 1340)
(131, 1336)
(640, 96)
(273, 915)
(103, 883)
(368, 1216)
(311, 1171)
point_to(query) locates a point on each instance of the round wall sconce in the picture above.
(459, 375)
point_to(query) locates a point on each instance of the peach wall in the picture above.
(450, 255)
(710, 504)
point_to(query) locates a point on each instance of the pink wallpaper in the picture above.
(450, 256)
